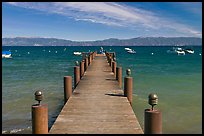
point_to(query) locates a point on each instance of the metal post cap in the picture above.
(38, 96)
(76, 63)
(128, 72)
(153, 99)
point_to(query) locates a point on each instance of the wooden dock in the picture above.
(97, 106)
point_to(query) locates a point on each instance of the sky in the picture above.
(90, 21)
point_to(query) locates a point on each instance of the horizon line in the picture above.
(105, 39)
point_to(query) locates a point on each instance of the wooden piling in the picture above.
(114, 68)
(119, 76)
(111, 62)
(39, 119)
(90, 59)
(128, 88)
(76, 76)
(81, 68)
(67, 87)
(86, 63)
(83, 55)
(152, 121)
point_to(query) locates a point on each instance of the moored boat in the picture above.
(127, 49)
(190, 51)
(6, 54)
(77, 53)
(131, 51)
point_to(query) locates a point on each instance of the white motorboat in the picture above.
(180, 52)
(190, 51)
(131, 51)
(6, 54)
(128, 49)
(77, 53)
(177, 50)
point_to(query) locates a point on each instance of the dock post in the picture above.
(110, 62)
(119, 76)
(81, 68)
(128, 86)
(83, 55)
(39, 116)
(76, 76)
(108, 59)
(114, 68)
(94, 54)
(91, 56)
(90, 60)
(116, 77)
(67, 88)
(153, 117)
(86, 63)
(114, 56)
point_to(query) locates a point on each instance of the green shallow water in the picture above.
(177, 80)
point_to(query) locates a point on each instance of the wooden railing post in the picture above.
(67, 88)
(119, 76)
(114, 68)
(81, 68)
(86, 63)
(76, 76)
(128, 86)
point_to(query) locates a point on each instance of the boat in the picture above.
(101, 51)
(77, 53)
(180, 52)
(6, 54)
(127, 49)
(190, 51)
(131, 51)
(177, 50)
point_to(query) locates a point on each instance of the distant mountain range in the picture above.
(139, 41)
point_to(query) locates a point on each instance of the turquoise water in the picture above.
(177, 80)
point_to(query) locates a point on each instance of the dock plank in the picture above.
(97, 105)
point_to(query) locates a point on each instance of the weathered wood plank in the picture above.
(97, 105)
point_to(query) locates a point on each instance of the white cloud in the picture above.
(112, 14)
